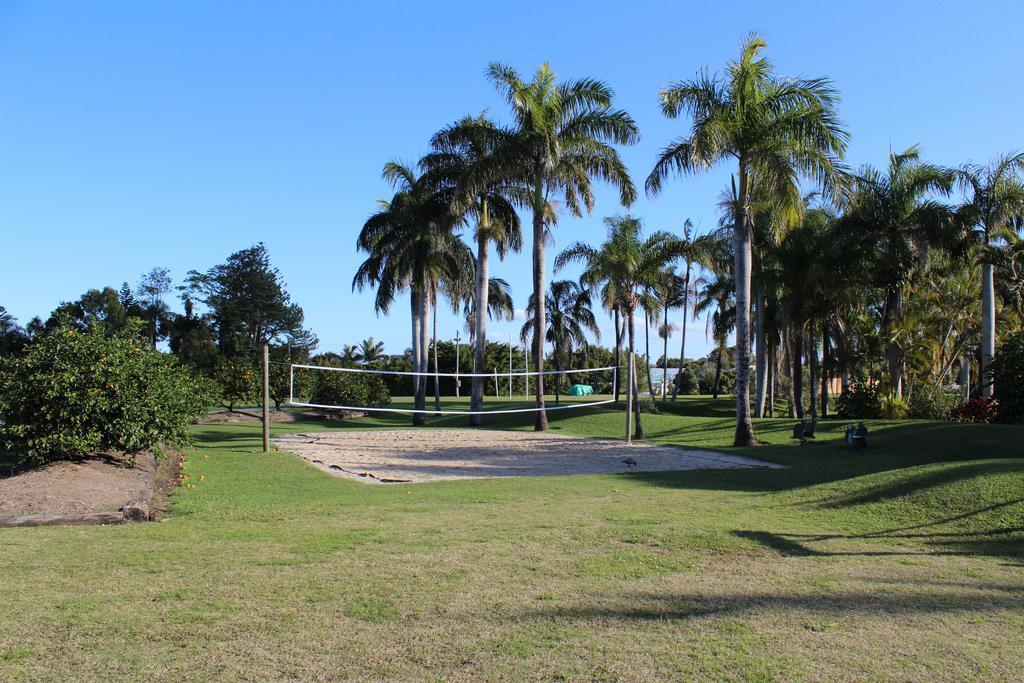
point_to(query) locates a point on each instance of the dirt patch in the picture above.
(232, 416)
(419, 455)
(69, 487)
(167, 479)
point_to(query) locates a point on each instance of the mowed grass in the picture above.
(903, 561)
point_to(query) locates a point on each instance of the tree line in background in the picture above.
(870, 278)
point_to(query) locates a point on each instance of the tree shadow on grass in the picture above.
(642, 606)
(1006, 543)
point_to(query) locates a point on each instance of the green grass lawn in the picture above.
(904, 561)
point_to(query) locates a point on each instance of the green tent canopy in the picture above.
(581, 390)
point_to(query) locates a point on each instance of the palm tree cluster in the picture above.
(877, 277)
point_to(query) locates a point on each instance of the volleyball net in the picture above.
(392, 391)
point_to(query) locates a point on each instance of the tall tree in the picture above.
(564, 137)
(775, 129)
(13, 337)
(467, 164)
(247, 301)
(995, 197)
(628, 263)
(411, 245)
(153, 286)
(695, 252)
(569, 318)
(896, 217)
(101, 306)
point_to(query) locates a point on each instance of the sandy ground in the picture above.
(419, 455)
(66, 487)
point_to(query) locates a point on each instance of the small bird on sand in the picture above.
(629, 462)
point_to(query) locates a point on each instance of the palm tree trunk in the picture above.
(437, 387)
(541, 422)
(894, 308)
(761, 357)
(771, 381)
(647, 351)
(682, 344)
(618, 353)
(988, 328)
(812, 362)
(742, 235)
(841, 362)
(788, 362)
(476, 401)
(638, 429)
(718, 372)
(415, 304)
(965, 378)
(798, 373)
(558, 370)
(826, 364)
(423, 313)
(664, 356)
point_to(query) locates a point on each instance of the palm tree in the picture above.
(569, 318)
(673, 290)
(626, 265)
(466, 161)
(564, 136)
(996, 197)
(650, 303)
(775, 129)
(411, 245)
(717, 297)
(897, 220)
(499, 305)
(695, 252)
(806, 277)
(370, 350)
(349, 355)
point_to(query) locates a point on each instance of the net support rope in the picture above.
(486, 375)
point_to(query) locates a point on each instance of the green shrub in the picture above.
(75, 393)
(687, 381)
(932, 402)
(894, 408)
(1008, 379)
(860, 402)
(350, 389)
(238, 379)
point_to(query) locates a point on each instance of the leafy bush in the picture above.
(350, 389)
(894, 408)
(75, 393)
(980, 409)
(238, 379)
(860, 402)
(1008, 379)
(932, 402)
(687, 381)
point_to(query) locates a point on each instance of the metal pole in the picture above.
(510, 366)
(266, 398)
(629, 399)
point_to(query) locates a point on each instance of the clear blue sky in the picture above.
(137, 134)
